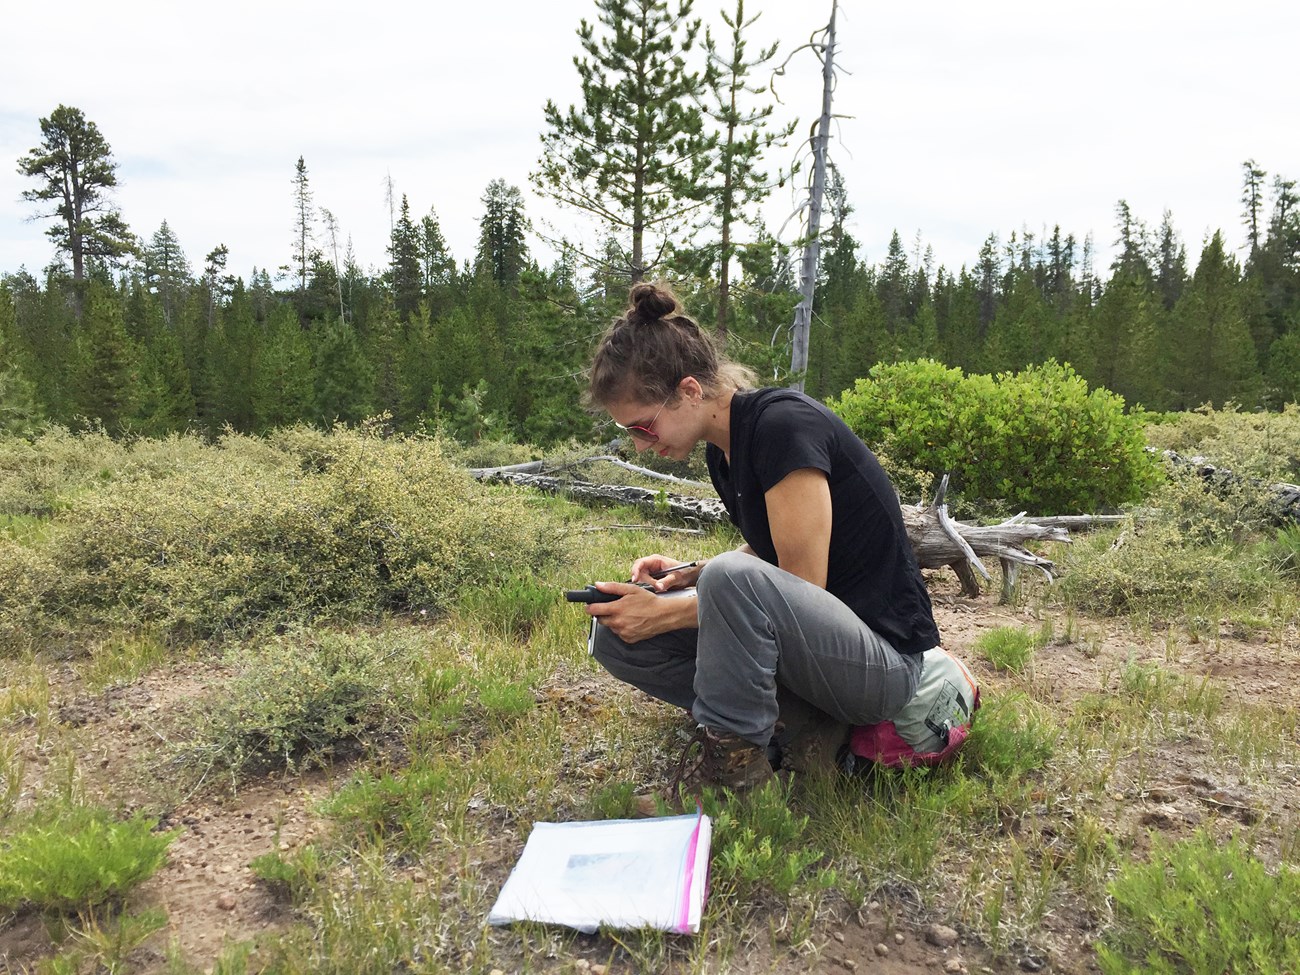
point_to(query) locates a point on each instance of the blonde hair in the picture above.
(652, 347)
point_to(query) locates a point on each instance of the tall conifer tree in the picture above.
(303, 233)
(633, 154)
(404, 268)
(502, 247)
(736, 180)
(166, 271)
(75, 169)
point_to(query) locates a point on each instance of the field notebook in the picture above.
(621, 873)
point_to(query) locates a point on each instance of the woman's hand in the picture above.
(639, 614)
(681, 579)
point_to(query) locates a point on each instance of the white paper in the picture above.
(622, 873)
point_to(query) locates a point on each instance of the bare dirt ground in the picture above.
(211, 897)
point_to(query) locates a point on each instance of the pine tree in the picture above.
(893, 286)
(439, 265)
(107, 373)
(233, 347)
(1120, 348)
(332, 229)
(634, 153)
(989, 269)
(282, 391)
(404, 268)
(216, 283)
(1132, 242)
(1252, 198)
(502, 250)
(1022, 333)
(166, 271)
(344, 380)
(303, 234)
(20, 411)
(1171, 263)
(167, 402)
(736, 180)
(76, 169)
(1213, 359)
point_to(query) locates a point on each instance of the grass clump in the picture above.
(403, 811)
(251, 532)
(293, 878)
(296, 699)
(77, 859)
(1203, 909)
(1008, 647)
(1283, 552)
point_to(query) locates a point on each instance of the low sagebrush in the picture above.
(251, 533)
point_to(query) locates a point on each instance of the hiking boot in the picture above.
(724, 761)
(808, 738)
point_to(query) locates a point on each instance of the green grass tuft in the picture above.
(1008, 647)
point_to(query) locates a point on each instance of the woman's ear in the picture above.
(690, 388)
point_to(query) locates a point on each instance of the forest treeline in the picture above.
(492, 347)
(133, 334)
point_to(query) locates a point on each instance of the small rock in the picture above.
(838, 936)
(496, 971)
(898, 937)
(941, 936)
(1032, 963)
(599, 969)
(953, 965)
(849, 964)
(582, 965)
(226, 902)
(882, 950)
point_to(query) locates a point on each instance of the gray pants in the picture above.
(762, 632)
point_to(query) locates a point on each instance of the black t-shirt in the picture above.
(872, 567)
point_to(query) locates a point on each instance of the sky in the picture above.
(957, 119)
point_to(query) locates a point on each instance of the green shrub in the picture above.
(1190, 553)
(295, 699)
(292, 879)
(77, 858)
(1038, 439)
(249, 532)
(1203, 909)
(762, 844)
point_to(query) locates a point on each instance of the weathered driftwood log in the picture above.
(705, 511)
(936, 539)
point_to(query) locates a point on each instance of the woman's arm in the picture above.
(799, 516)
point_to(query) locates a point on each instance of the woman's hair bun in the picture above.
(650, 302)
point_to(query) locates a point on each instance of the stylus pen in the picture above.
(659, 574)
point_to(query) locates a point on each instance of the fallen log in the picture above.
(936, 538)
